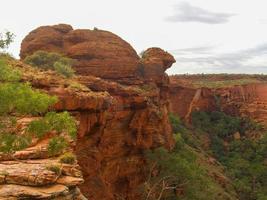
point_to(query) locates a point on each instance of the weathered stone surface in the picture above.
(241, 100)
(27, 192)
(185, 100)
(99, 53)
(26, 175)
(153, 65)
(123, 112)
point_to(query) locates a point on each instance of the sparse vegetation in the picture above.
(64, 69)
(243, 158)
(54, 168)
(17, 98)
(178, 174)
(6, 39)
(59, 122)
(56, 145)
(53, 61)
(68, 158)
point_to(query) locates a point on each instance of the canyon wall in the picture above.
(122, 110)
(248, 100)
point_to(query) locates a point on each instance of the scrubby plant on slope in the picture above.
(177, 174)
(244, 158)
(19, 99)
(54, 61)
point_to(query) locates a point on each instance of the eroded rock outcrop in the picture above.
(98, 53)
(122, 107)
(33, 174)
(249, 100)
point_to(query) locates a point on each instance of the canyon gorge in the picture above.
(122, 103)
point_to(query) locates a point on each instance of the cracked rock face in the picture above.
(248, 100)
(32, 178)
(122, 112)
(99, 53)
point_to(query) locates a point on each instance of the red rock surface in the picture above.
(155, 62)
(186, 100)
(248, 100)
(97, 52)
(123, 113)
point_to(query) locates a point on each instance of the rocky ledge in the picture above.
(32, 174)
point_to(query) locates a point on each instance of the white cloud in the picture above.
(185, 12)
(251, 60)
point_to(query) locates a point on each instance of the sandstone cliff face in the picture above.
(186, 100)
(245, 100)
(122, 111)
(248, 100)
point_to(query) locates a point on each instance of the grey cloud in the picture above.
(242, 61)
(194, 50)
(185, 12)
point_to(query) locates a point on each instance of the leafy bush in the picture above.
(65, 70)
(54, 61)
(243, 159)
(68, 158)
(10, 142)
(176, 175)
(18, 98)
(217, 123)
(176, 123)
(54, 168)
(56, 145)
(60, 122)
(8, 74)
(6, 39)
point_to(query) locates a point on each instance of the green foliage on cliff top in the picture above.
(20, 99)
(54, 61)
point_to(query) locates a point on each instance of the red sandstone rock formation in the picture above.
(99, 53)
(118, 122)
(186, 100)
(245, 100)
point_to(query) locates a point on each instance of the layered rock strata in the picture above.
(122, 106)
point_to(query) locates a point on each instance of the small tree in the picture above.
(6, 39)
(17, 98)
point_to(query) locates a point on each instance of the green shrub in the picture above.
(244, 159)
(217, 123)
(6, 39)
(56, 145)
(54, 168)
(39, 128)
(59, 122)
(65, 70)
(7, 73)
(54, 61)
(176, 123)
(18, 98)
(176, 170)
(10, 142)
(68, 158)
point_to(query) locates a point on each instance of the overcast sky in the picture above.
(205, 36)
